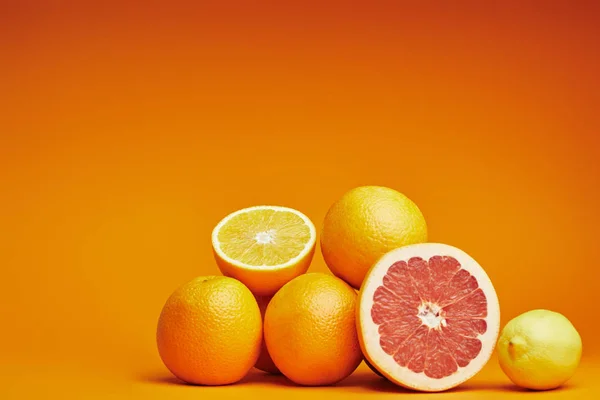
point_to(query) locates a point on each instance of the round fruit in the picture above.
(428, 317)
(264, 362)
(539, 349)
(310, 330)
(264, 246)
(209, 331)
(363, 225)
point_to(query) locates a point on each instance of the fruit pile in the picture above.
(426, 315)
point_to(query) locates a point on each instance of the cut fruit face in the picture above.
(428, 316)
(264, 236)
(264, 246)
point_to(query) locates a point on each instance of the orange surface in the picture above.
(128, 132)
(311, 322)
(209, 331)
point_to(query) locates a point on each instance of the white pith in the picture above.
(267, 236)
(384, 362)
(429, 313)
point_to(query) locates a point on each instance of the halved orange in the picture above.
(264, 247)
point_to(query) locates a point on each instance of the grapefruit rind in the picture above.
(368, 331)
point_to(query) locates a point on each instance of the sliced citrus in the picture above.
(428, 316)
(264, 246)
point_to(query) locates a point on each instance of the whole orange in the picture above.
(310, 330)
(363, 225)
(264, 362)
(209, 331)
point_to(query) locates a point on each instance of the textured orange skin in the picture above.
(310, 330)
(264, 362)
(209, 331)
(265, 282)
(363, 225)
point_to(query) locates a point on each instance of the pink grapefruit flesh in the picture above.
(428, 316)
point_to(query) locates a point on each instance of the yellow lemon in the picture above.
(363, 225)
(539, 349)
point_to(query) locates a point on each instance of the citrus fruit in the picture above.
(428, 316)
(264, 246)
(539, 349)
(209, 331)
(264, 362)
(363, 225)
(310, 330)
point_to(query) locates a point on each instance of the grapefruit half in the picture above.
(428, 316)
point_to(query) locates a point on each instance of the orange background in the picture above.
(128, 131)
